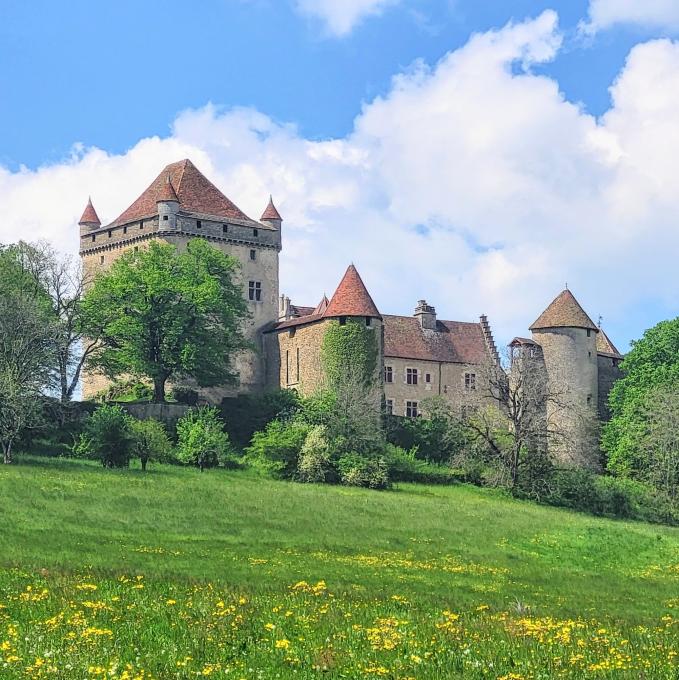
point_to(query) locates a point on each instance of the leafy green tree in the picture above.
(150, 442)
(652, 363)
(165, 314)
(201, 439)
(108, 436)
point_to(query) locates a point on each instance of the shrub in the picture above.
(359, 470)
(201, 439)
(150, 442)
(185, 395)
(247, 414)
(314, 459)
(404, 466)
(107, 436)
(276, 449)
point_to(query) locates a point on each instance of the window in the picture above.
(253, 254)
(470, 381)
(411, 376)
(389, 407)
(225, 228)
(589, 333)
(388, 374)
(589, 399)
(101, 259)
(141, 224)
(291, 332)
(255, 232)
(255, 291)
(164, 217)
(199, 224)
(94, 238)
(411, 409)
(110, 233)
(368, 321)
(124, 230)
(343, 321)
(427, 378)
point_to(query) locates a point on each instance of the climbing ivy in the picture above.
(351, 345)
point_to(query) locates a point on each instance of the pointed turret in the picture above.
(167, 192)
(564, 312)
(352, 298)
(270, 214)
(167, 203)
(321, 306)
(90, 219)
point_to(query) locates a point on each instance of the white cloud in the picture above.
(649, 13)
(473, 183)
(340, 16)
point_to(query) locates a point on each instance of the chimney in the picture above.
(426, 315)
(284, 312)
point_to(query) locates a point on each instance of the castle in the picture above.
(420, 355)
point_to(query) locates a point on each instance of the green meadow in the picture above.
(175, 573)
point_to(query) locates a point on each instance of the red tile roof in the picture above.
(299, 321)
(605, 346)
(167, 192)
(351, 298)
(90, 215)
(298, 310)
(564, 312)
(271, 213)
(195, 193)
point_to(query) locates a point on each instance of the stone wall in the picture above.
(609, 373)
(445, 379)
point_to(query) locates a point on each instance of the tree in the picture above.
(164, 315)
(59, 283)
(26, 363)
(201, 439)
(652, 363)
(150, 442)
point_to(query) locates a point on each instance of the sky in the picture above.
(481, 155)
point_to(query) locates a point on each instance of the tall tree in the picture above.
(164, 314)
(652, 363)
(26, 364)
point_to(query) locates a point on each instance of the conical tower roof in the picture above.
(271, 213)
(193, 190)
(352, 297)
(167, 192)
(605, 346)
(564, 312)
(90, 216)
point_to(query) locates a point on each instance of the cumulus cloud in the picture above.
(340, 16)
(473, 183)
(651, 13)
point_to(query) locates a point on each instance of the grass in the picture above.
(174, 573)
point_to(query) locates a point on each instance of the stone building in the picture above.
(420, 356)
(181, 204)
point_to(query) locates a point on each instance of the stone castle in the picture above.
(420, 355)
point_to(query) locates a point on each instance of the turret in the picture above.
(168, 206)
(568, 338)
(272, 218)
(89, 220)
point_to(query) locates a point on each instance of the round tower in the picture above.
(271, 217)
(567, 337)
(89, 220)
(168, 206)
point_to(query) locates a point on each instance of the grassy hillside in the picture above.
(175, 573)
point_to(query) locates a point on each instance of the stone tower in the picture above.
(568, 339)
(179, 205)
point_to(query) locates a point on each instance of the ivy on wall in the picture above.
(348, 347)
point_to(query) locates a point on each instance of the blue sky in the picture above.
(480, 172)
(109, 73)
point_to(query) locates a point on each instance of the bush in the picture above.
(125, 391)
(247, 414)
(201, 439)
(404, 466)
(359, 470)
(276, 449)
(150, 442)
(314, 459)
(107, 436)
(185, 395)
